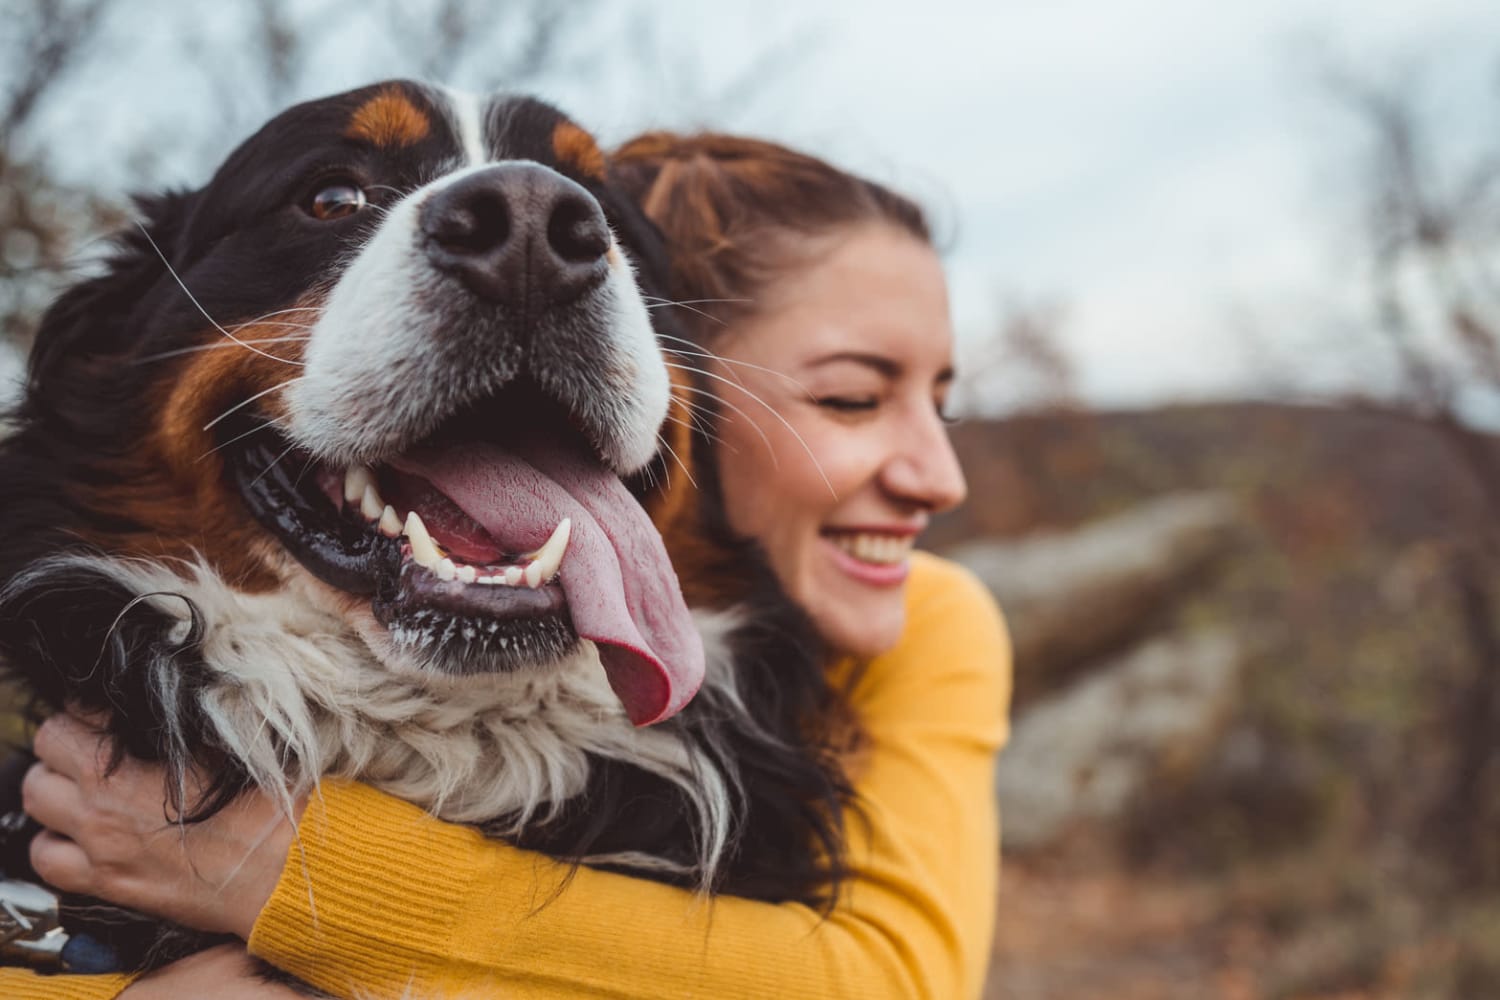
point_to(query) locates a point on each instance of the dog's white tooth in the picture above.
(423, 550)
(445, 569)
(514, 575)
(467, 574)
(550, 556)
(488, 581)
(357, 478)
(533, 574)
(390, 523)
(370, 504)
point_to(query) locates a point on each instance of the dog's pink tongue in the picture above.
(620, 587)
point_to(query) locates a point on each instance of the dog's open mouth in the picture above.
(495, 544)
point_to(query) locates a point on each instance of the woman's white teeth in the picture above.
(423, 550)
(874, 548)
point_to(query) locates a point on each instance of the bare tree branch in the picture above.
(52, 37)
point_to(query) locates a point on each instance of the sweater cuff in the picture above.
(22, 984)
(368, 894)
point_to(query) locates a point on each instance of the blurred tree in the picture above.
(1021, 366)
(1430, 244)
(42, 221)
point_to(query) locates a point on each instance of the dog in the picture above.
(341, 468)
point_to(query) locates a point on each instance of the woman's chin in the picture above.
(856, 618)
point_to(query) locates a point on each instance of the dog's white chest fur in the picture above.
(295, 695)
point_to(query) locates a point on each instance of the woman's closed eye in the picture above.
(849, 404)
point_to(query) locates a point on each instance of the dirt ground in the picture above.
(1062, 936)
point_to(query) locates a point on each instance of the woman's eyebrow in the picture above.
(888, 367)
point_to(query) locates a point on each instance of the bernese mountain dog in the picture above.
(338, 469)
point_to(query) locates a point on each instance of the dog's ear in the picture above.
(92, 319)
(641, 237)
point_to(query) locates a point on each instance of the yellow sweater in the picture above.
(378, 899)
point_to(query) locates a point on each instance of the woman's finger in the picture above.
(52, 799)
(61, 863)
(68, 745)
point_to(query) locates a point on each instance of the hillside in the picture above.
(1311, 852)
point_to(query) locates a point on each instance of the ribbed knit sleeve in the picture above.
(23, 984)
(377, 898)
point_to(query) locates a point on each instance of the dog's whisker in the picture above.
(774, 412)
(658, 301)
(274, 462)
(246, 402)
(217, 346)
(311, 461)
(755, 425)
(702, 417)
(692, 309)
(697, 426)
(272, 422)
(671, 451)
(277, 312)
(703, 352)
(186, 291)
(289, 324)
(692, 424)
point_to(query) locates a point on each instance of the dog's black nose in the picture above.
(518, 234)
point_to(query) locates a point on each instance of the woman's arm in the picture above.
(376, 895)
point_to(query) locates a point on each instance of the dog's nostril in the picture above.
(518, 233)
(479, 223)
(576, 230)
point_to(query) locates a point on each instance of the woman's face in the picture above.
(853, 353)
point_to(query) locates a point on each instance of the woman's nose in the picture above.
(923, 469)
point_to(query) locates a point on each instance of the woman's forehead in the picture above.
(878, 292)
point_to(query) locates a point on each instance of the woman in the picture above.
(820, 320)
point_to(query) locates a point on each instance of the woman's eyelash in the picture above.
(849, 404)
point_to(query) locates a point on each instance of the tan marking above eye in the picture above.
(389, 119)
(573, 146)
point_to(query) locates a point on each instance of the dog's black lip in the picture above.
(282, 494)
(484, 628)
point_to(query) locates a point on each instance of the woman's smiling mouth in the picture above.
(879, 557)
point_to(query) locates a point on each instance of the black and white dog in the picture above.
(324, 477)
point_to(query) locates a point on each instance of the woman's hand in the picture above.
(109, 835)
(224, 973)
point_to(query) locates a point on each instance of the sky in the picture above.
(1169, 174)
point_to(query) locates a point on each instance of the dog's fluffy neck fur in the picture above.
(292, 696)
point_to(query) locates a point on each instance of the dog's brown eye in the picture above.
(335, 201)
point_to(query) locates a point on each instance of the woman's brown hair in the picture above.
(728, 204)
(739, 214)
